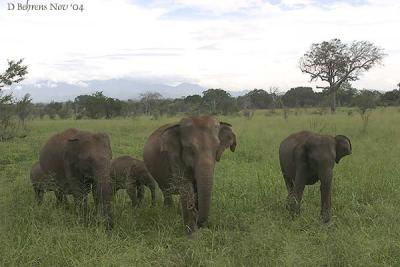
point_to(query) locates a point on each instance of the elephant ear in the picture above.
(170, 146)
(343, 147)
(227, 138)
(169, 138)
(105, 141)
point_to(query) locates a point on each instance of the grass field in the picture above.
(248, 224)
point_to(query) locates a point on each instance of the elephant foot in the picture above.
(287, 206)
(293, 206)
(192, 236)
(168, 203)
(203, 224)
(80, 220)
(191, 231)
(136, 205)
(326, 217)
(109, 225)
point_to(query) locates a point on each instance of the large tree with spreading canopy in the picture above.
(335, 62)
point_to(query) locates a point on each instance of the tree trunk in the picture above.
(333, 100)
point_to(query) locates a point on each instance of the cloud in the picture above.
(232, 44)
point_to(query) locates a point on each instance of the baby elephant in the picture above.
(131, 174)
(306, 158)
(42, 183)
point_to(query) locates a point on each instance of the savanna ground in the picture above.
(248, 224)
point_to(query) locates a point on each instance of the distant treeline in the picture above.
(212, 101)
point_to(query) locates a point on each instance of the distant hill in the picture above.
(47, 91)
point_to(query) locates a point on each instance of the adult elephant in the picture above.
(306, 158)
(181, 157)
(79, 162)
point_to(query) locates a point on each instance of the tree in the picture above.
(96, 105)
(53, 108)
(113, 107)
(192, 104)
(24, 107)
(365, 101)
(217, 101)
(276, 98)
(299, 97)
(259, 99)
(391, 98)
(335, 62)
(15, 73)
(345, 94)
(244, 102)
(149, 100)
(6, 114)
(66, 110)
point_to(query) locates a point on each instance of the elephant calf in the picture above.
(306, 158)
(131, 174)
(42, 183)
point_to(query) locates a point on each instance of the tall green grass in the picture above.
(248, 225)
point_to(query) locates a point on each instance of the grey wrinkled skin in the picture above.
(42, 183)
(181, 157)
(131, 174)
(80, 162)
(306, 158)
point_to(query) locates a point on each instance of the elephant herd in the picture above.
(181, 158)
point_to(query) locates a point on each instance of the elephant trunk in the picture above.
(104, 194)
(151, 184)
(204, 174)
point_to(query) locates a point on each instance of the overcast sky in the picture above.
(230, 44)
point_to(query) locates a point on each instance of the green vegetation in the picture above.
(336, 63)
(249, 224)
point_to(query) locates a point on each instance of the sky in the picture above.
(229, 44)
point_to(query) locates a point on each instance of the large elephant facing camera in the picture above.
(181, 157)
(306, 158)
(79, 162)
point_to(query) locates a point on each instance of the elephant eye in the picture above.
(188, 155)
(188, 150)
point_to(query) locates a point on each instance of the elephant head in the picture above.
(193, 146)
(87, 162)
(89, 154)
(343, 147)
(227, 138)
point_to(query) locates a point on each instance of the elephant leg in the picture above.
(95, 198)
(81, 206)
(140, 193)
(196, 196)
(168, 201)
(325, 188)
(297, 193)
(60, 197)
(131, 189)
(189, 210)
(39, 194)
(153, 194)
(289, 187)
